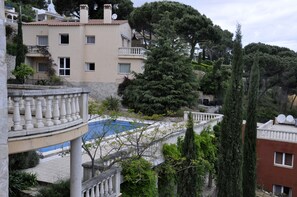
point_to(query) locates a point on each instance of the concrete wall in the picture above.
(10, 62)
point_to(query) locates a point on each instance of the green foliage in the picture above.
(20, 50)
(11, 48)
(19, 180)
(187, 177)
(167, 171)
(230, 152)
(68, 8)
(59, 189)
(23, 160)
(250, 135)
(168, 81)
(111, 103)
(22, 72)
(139, 178)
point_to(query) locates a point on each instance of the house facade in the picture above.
(276, 158)
(92, 53)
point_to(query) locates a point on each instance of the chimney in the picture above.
(107, 13)
(84, 13)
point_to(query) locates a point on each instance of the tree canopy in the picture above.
(168, 81)
(189, 24)
(121, 7)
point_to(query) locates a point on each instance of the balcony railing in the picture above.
(105, 184)
(37, 50)
(136, 52)
(198, 117)
(44, 110)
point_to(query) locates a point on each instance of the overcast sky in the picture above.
(272, 22)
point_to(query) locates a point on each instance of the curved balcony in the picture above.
(40, 116)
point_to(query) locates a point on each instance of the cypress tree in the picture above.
(20, 53)
(230, 150)
(250, 134)
(188, 175)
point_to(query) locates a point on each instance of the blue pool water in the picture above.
(99, 129)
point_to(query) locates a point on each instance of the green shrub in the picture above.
(11, 48)
(22, 72)
(24, 160)
(139, 178)
(111, 103)
(59, 189)
(19, 180)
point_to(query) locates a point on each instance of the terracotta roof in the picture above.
(76, 23)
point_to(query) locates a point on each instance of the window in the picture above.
(64, 38)
(42, 40)
(124, 68)
(90, 66)
(279, 190)
(283, 159)
(90, 39)
(42, 67)
(64, 68)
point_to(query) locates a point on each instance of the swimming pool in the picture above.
(97, 129)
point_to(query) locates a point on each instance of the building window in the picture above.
(283, 159)
(90, 66)
(90, 39)
(124, 68)
(42, 40)
(64, 38)
(42, 67)
(64, 67)
(279, 190)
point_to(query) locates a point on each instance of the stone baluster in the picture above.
(93, 191)
(110, 189)
(102, 188)
(63, 109)
(48, 113)
(38, 113)
(77, 106)
(106, 187)
(88, 193)
(16, 114)
(43, 105)
(28, 113)
(68, 108)
(56, 110)
(22, 104)
(33, 107)
(97, 190)
(73, 107)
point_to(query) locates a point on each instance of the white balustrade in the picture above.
(276, 135)
(132, 51)
(34, 111)
(198, 117)
(105, 184)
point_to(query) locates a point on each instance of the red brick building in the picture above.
(276, 153)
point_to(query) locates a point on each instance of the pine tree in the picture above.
(20, 53)
(230, 152)
(250, 134)
(188, 175)
(168, 81)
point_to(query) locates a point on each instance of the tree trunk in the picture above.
(209, 180)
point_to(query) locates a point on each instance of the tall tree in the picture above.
(168, 81)
(230, 152)
(188, 175)
(250, 134)
(20, 53)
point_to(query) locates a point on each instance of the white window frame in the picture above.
(38, 40)
(90, 36)
(64, 68)
(283, 160)
(87, 67)
(63, 34)
(122, 64)
(41, 71)
(282, 189)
